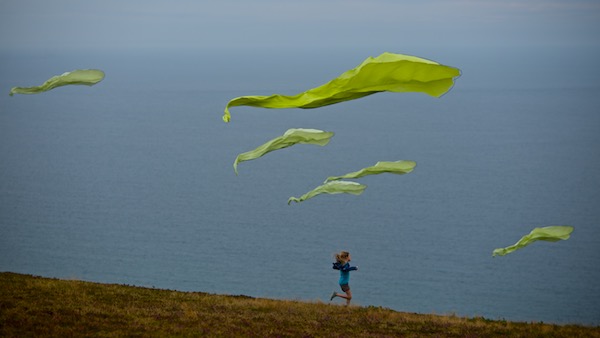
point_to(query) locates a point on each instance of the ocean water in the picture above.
(131, 182)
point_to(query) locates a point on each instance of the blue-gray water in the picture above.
(131, 181)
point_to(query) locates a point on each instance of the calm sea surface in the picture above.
(131, 181)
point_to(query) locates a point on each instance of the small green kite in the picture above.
(288, 139)
(397, 167)
(333, 187)
(552, 234)
(87, 77)
(387, 72)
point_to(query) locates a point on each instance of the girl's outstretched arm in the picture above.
(347, 267)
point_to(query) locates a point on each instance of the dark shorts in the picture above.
(345, 287)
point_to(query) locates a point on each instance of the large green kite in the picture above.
(288, 139)
(387, 72)
(87, 77)
(333, 187)
(552, 234)
(397, 167)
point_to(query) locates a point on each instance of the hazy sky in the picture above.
(494, 42)
(306, 24)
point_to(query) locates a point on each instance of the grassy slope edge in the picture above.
(49, 307)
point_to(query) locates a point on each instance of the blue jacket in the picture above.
(344, 272)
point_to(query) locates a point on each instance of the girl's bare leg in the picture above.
(347, 296)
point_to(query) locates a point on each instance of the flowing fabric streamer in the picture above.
(87, 77)
(288, 139)
(552, 234)
(387, 72)
(397, 167)
(333, 187)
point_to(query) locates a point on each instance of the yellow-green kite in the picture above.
(288, 139)
(333, 187)
(397, 167)
(552, 234)
(387, 72)
(87, 77)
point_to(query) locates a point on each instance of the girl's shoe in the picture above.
(333, 295)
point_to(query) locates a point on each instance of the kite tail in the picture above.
(226, 115)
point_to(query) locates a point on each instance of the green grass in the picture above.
(35, 306)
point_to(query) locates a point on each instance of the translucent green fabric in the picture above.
(288, 139)
(333, 187)
(77, 77)
(387, 72)
(552, 234)
(397, 167)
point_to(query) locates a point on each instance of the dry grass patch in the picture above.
(34, 306)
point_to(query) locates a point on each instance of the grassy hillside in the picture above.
(35, 306)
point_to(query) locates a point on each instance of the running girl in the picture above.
(342, 260)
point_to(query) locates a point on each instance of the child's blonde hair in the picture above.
(342, 257)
